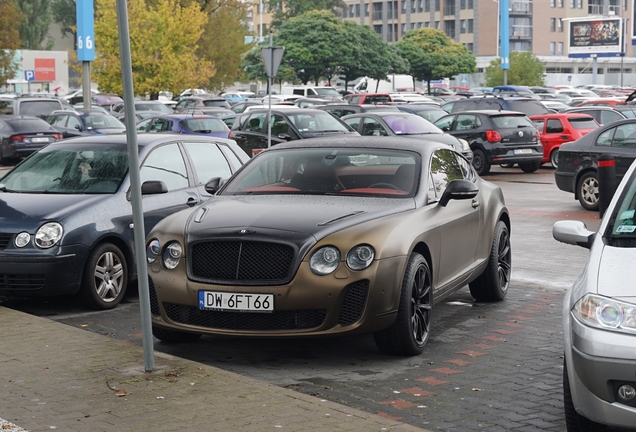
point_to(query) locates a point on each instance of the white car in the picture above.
(599, 318)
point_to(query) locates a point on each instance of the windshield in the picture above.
(529, 107)
(410, 125)
(621, 229)
(39, 108)
(77, 169)
(328, 92)
(512, 121)
(102, 122)
(159, 107)
(316, 122)
(583, 123)
(329, 171)
(205, 125)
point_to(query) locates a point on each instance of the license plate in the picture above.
(523, 151)
(44, 139)
(243, 302)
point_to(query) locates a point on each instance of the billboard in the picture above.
(44, 69)
(601, 36)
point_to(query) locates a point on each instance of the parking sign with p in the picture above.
(29, 75)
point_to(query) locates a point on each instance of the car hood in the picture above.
(315, 216)
(109, 131)
(616, 273)
(26, 212)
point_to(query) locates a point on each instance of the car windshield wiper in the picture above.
(4, 189)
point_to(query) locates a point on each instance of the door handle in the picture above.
(475, 204)
(192, 202)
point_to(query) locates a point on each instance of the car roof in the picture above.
(560, 115)
(143, 139)
(183, 116)
(488, 112)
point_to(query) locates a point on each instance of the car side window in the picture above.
(554, 126)
(353, 122)
(255, 123)
(605, 139)
(208, 161)
(143, 125)
(372, 127)
(181, 104)
(609, 117)
(165, 163)
(58, 120)
(467, 169)
(445, 123)
(73, 122)
(235, 162)
(445, 168)
(279, 125)
(625, 136)
(465, 122)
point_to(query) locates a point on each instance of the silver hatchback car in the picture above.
(599, 318)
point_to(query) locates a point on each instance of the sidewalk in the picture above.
(56, 377)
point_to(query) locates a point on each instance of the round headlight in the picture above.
(48, 235)
(152, 250)
(172, 255)
(360, 257)
(325, 260)
(609, 315)
(22, 239)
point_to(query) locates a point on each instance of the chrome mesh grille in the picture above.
(241, 261)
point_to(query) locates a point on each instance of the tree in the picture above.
(163, 43)
(254, 68)
(372, 57)
(525, 69)
(9, 39)
(433, 55)
(286, 9)
(316, 44)
(223, 40)
(35, 24)
(64, 14)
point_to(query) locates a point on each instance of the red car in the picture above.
(556, 129)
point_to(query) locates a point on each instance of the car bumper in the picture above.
(516, 154)
(564, 181)
(598, 364)
(31, 275)
(344, 302)
(20, 149)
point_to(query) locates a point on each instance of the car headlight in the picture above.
(360, 257)
(465, 145)
(606, 313)
(172, 255)
(325, 260)
(48, 235)
(22, 239)
(152, 250)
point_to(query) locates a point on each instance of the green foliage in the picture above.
(64, 14)
(282, 10)
(9, 39)
(254, 68)
(163, 43)
(316, 44)
(525, 69)
(35, 24)
(433, 55)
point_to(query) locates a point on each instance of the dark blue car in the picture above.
(197, 124)
(84, 122)
(66, 212)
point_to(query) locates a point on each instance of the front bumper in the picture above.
(598, 363)
(50, 273)
(344, 302)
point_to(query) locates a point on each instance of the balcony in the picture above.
(600, 10)
(521, 32)
(520, 8)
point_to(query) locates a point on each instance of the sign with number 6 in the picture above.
(85, 30)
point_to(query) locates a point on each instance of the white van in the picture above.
(394, 82)
(311, 91)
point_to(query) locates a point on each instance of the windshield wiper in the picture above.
(4, 189)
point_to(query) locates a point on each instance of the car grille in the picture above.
(281, 320)
(21, 281)
(354, 302)
(232, 261)
(5, 239)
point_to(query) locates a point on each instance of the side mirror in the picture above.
(574, 233)
(459, 190)
(284, 136)
(78, 127)
(213, 185)
(445, 128)
(153, 187)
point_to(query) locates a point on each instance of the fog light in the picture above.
(626, 393)
(22, 239)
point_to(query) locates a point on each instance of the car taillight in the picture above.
(493, 136)
(17, 138)
(58, 136)
(229, 135)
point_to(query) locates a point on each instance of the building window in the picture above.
(571, 4)
(358, 10)
(470, 4)
(552, 3)
(463, 26)
(437, 25)
(470, 25)
(403, 6)
(391, 33)
(378, 29)
(427, 5)
(469, 45)
(449, 8)
(552, 48)
(404, 29)
(366, 10)
(377, 11)
(420, 5)
(436, 5)
(392, 12)
(351, 10)
(449, 28)
(462, 4)
(560, 48)
(558, 70)
(553, 24)
(560, 25)
(561, 4)
(579, 4)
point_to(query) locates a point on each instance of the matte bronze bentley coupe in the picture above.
(331, 236)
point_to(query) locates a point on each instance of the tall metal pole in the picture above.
(86, 84)
(135, 184)
(504, 32)
(270, 80)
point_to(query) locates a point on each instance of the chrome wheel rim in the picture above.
(589, 191)
(108, 276)
(554, 158)
(421, 305)
(504, 260)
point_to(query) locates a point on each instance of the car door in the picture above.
(74, 127)
(554, 135)
(166, 163)
(208, 162)
(465, 126)
(459, 220)
(620, 143)
(372, 127)
(58, 121)
(251, 134)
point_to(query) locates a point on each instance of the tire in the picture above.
(587, 191)
(575, 422)
(174, 336)
(480, 162)
(411, 329)
(529, 167)
(554, 158)
(105, 278)
(507, 165)
(493, 283)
